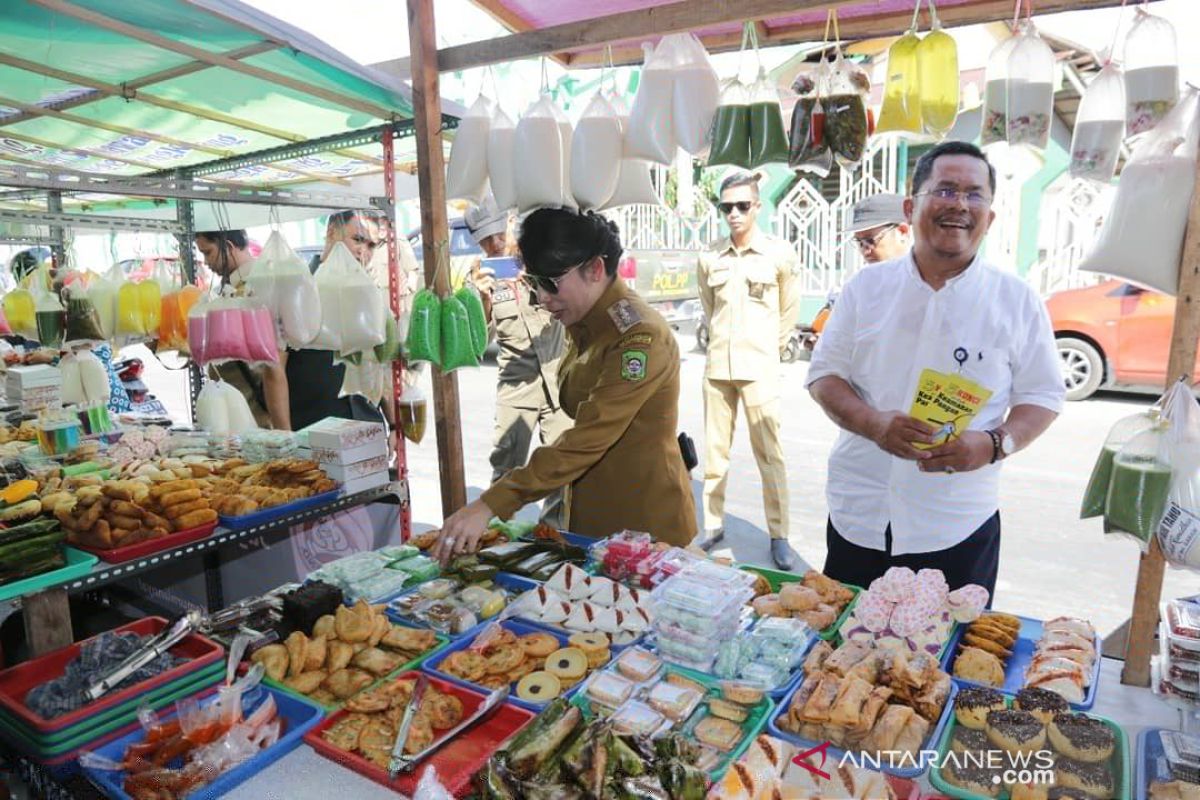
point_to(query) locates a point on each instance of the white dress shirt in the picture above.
(887, 325)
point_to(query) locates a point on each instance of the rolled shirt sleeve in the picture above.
(1037, 374)
(835, 346)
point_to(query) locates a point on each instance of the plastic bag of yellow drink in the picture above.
(937, 71)
(901, 111)
(19, 309)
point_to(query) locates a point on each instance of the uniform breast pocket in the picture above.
(762, 285)
(988, 366)
(504, 304)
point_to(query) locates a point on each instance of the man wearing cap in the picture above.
(531, 345)
(879, 227)
(750, 291)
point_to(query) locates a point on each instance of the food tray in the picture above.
(1119, 763)
(1149, 762)
(576, 539)
(456, 763)
(1018, 662)
(15, 682)
(298, 716)
(60, 741)
(835, 753)
(778, 578)
(275, 512)
(520, 628)
(118, 555)
(78, 564)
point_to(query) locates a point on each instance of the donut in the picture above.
(1042, 703)
(1068, 793)
(968, 740)
(1028, 791)
(971, 706)
(1015, 731)
(1081, 738)
(1094, 778)
(975, 779)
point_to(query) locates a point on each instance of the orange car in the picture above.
(1114, 336)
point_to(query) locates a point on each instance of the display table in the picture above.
(304, 774)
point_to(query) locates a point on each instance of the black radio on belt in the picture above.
(687, 449)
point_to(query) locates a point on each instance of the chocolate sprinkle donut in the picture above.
(1083, 733)
(1096, 778)
(1067, 793)
(1015, 724)
(973, 777)
(1035, 699)
(969, 739)
(978, 697)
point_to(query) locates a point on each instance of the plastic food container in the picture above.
(1183, 619)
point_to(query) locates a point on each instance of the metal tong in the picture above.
(164, 641)
(397, 761)
(403, 763)
(233, 615)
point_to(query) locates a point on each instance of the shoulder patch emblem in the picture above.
(633, 365)
(635, 339)
(624, 315)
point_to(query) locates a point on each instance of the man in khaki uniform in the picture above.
(750, 293)
(531, 346)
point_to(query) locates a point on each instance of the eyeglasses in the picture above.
(543, 283)
(743, 206)
(947, 195)
(358, 238)
(869, 242)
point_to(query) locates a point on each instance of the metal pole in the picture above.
(394, 279)
(185, 214)
(57, 234)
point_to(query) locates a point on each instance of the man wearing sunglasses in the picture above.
(750, 291)
(879, 228)
(896, 499)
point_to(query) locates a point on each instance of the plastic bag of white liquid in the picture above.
(695, 95)
(1099, 127)
(538, 157)
(1151, 72)
(362, 315)
(501, 144)
(283, 282)
(650, 133)
(84, 379)
(222, 410)
(467, 172)
(596, 155)
(368, 379)
(994, 125)
(1142, 236)
(633, 184)
(1179, 529)
(566, 132)
(103, 293)
(1029, 92)
(330, 276)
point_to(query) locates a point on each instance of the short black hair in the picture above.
(340, 218)
(236, 238)
(924, 166)
(736, 179)
(553, 240)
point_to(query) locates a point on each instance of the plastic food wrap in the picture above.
(1151, 72)
(731, 127)
(1099, 127)
(501, 142)
(1119, 435)
(538, 157)
(84, 379)
(596, 154)
(467, 172)
(768, 140)
(222, 410)
(808, 151)
(901, 110)
(458, 349)
(425, 328)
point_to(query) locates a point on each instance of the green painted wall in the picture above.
(1055, 164)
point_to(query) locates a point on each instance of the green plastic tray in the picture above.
(46, 749)
(78, 564)
(1118, 763)
(778, 578)
(754, 724)
(416, 663)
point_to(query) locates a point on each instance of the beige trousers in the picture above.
(762, 414)
(510, 446)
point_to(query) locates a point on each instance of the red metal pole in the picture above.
(394, 278)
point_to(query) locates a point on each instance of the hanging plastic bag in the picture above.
(1138, 489)
(501, 151)
(362, 317)
(768, 140)
(212, 409)
(901, 109)
(129, 321)
(413, 410)
(392, 348)
(565, 134)
(808, 151)
(846, 124)
(469, 297)
(1123, 430)
(1099, 127)
(1179, 529)
(650, 134)
(103, 293)
(467, 172)
(458, 349)
(225, 335)
(425, 329)
(994, 127)
(50, 317)
(1151, 72)
(332, 273)
(289, 290)
(258, 323)
(84, 379)
(538, 157)
(5, 328)
(21, 314)
(938, 79)
(1030, 90)
(634, 184)
(596, 155)
(82, 322)
(1142, 236)
(150, 305)
(197, 328)
(695, 93)
(731, 127)
(367, 379)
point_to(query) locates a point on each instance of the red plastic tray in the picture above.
(456, 762)
(118, 555)
(15, 682)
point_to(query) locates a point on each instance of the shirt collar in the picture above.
(597, 320)
(962, 279)
(757, 244)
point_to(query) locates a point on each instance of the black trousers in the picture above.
(975, 559)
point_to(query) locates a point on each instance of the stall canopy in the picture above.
(134, 89)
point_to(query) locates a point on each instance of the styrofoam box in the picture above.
(34, 376)
(364, 483)
(344, 473)
(334, 433)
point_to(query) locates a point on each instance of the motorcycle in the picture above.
(804, 339)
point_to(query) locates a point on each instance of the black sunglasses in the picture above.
(549, 285)
(742, 205)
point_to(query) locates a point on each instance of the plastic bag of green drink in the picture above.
(1179, 529)
(49, 316)
(731, 127)
(393, 343)
(1119, 435)
(768, 140)
(469, 297)
(1140, 484)
(458, 347)
(425, 328)
(846, 122)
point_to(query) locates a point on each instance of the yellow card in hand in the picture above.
(948, 402)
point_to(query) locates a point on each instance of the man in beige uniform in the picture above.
(531, 346)
(750, 293)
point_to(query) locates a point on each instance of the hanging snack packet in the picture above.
(846, 126)
(458, 350)
(1151, 72)
(808, 150)
(425, 329)
(731, 127)
(469, 297)
(901, 110)
(1119, 435)
(1140, 484)
(467, 172)
(596, 154)
(502, 135)
(938, 79)
(1099, 127)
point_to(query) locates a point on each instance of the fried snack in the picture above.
(181, 496)
(324, 626)
(297, 647)
(98, 536)
(128, 523)
(306, 682)
(379, 629)
(399, 637)
(352, 627)
(274, 658)
(183, 509)
(314, 654)
(346, 683)
(467, 665)
(125, 508)
(375, 661)
(370, 702)
(987, 645)
(195, 519)
(344, 734)
(338, 654)
(117, 490)
(980, 666)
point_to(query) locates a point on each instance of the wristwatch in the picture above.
(1003, 444)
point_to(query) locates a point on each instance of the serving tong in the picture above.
(402, 763)
(160, 644)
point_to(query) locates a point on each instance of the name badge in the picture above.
(757, 289)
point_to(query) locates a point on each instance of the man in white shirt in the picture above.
(939, 307)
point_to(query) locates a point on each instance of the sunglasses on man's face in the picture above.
(743, 206)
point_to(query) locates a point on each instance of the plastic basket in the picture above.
(777, 579)
(119, 555)
(78, 564)
(273, 513)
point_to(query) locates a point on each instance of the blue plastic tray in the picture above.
(935, 734)
(1149, 762)
(275, 512)
(520, 628)
(1018, 662)
(513, 583)
(298, 716)
(577, 539)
